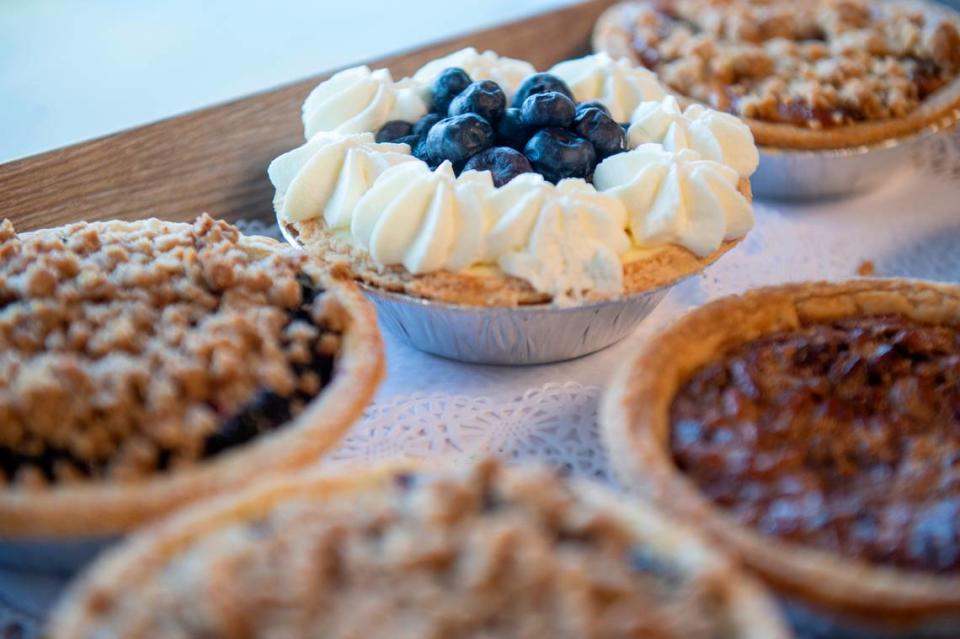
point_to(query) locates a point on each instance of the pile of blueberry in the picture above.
(543, 131)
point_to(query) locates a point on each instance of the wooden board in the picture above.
(215, 159)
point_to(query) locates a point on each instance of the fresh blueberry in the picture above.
(592, 104)
(421, 153)
(548, 109)
(410, 140)
(424, 124)
(393, 131)
(457, 138)
(484, 98)
(511, 131)
(559, 153)
(602, 131)
(447, 86)
(503, 163)
(540, 83)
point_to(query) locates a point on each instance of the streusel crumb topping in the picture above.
(817, 64)
(132, 348)
(484, 554)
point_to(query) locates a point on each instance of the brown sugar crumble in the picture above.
(478, 554)
(844, 436)
(867, 269)
(128, 349)
(817, 64)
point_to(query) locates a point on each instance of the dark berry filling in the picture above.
(265, 412)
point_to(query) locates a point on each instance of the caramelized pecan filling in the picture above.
(844, 436)
(819, 64)
(479, 554)
(132, 349)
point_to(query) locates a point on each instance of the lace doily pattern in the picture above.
(554, 424)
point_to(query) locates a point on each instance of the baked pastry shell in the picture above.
(79, 517)
(497, 318)
(752, 613)
(800, 163)
(635, 428)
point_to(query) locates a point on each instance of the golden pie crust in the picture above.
(453, 505)
(105, 507)
(613, 33)
(655, 269)
(636, 423)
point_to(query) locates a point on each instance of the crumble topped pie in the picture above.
(139, 351)
(405, 552)
(820, 66)
(813, 430)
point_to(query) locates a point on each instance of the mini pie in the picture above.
(404, 551)
(662, 208)
(827, 74)
(147, 364)
(813, 430)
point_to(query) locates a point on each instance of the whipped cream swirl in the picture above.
(716, 136)
(676, 197)
(617, 83)
(566, 240)
(425, 220)
(509, 73)
(357, 100)
(327, 176)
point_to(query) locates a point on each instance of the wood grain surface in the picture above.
(215, 160)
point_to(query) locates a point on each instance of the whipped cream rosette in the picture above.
(714, 135)
(676, 197)
(660, 193)
(358, 99)
(562, 239)
(425, 220)
(507, 72)
(618, 84)
(327, 176)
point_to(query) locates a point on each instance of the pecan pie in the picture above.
(817, 75)
(404, 551)
(145, 364)
(814, 430)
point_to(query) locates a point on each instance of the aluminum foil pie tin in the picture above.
(811, 175)
(814, 623)
(60, 557)
(536, 334)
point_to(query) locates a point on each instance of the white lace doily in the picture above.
(433, 407)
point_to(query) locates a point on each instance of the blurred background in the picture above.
(71, 70)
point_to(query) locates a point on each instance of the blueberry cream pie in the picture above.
(826, 74)
(482, 182)
(146, 364)
(814, 431)
(408, 552)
